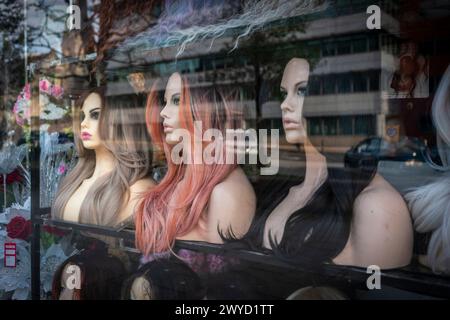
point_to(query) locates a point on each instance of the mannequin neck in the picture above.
(104, 162)
(316, 166)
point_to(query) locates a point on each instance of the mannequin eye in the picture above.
(301, 91)
(283, 94)
(94, 115)
(82, 116)
(176, 100)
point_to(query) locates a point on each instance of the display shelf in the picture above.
(408, 278)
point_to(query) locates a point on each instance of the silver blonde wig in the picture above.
(430, 204)
(124, 134)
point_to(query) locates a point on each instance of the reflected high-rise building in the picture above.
(358, 87)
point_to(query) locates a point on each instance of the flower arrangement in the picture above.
(49, 110)
(57, 158)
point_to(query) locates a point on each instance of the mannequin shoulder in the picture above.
(232, 203)
(380, 194)
(382, 232)
(142, 185)
(235, 189)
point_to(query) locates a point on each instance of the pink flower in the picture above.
(45, 86)
(21, 108)
(57, 91)
(27, 92)
(19, 121)
(16, 105)
(62, 168)
(21, 111)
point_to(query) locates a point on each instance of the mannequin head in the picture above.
(187, 186)
(163, 279)
(293, 90)
(170, 111)
(182, 105)
(113, 125)
(66, 292)
(100, 277)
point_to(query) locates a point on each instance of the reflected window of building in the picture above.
(365, 125)
(328, 49)
(330, 126)
(359, 82)
(315, 126)
(346, 125)
(373, 43)
(359, 45)
(314, 85)
(344, 47)
(329, 86)
(374, 81)
(343, 83)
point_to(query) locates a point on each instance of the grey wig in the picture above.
(430, 204)
(124, 134)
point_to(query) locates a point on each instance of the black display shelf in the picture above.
(413, 277)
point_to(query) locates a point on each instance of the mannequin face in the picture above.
(66, 293)
(90, 114)
(293, 89)
(170, 112)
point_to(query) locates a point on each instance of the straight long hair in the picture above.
(316, 233)
(175, 206)
(124, 134)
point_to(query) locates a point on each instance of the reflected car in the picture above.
(377, 149)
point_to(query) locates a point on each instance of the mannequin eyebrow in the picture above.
(296, 85)
(90, 111)
(93, 110)
(173, 95)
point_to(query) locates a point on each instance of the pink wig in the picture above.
(174, 207)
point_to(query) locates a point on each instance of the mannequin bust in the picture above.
(66, 292)
(380, 230)
(114, 164)
(188, 204)
(140, 289)
(89, 275)
(163, 279)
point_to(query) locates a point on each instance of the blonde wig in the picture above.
(123, 132)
